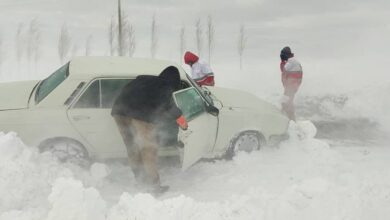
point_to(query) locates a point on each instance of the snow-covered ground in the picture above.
(336, 177)
(303, 178)
(334, 166)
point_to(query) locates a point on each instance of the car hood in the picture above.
(15, 95)
(231, 98)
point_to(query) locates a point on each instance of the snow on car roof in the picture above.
(117, 66)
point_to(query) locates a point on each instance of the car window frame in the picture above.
(206, 98)
(82, 93)
(203, 101)
(86, 87)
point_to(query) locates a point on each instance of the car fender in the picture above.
(233, 121)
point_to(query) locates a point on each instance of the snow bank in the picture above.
(24, 174)
(304, 178)
(32, 185)
(70, 200)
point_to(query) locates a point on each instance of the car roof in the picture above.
(87, 67)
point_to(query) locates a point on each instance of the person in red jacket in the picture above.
(291, 79)
(201, 72)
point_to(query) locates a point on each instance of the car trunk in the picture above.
(15, 95)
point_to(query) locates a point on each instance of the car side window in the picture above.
(110, 89)
(190, 103)
(101, 93)
(90, 98)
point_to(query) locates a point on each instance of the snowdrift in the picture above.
(304, 178)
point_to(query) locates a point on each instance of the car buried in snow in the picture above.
(68, 113)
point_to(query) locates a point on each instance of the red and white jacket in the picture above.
(201, 71)
(202, 74)
(291, 69)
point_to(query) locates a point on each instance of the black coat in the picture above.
(147, 98)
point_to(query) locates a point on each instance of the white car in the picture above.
(68, 113)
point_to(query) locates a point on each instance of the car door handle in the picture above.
(80, 117)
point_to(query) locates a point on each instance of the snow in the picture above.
(346, 79)
(69, 199)
(303, 178)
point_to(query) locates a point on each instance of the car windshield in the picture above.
(206, 97)
(50, 83)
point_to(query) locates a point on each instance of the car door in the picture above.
(90, 114)
(199, 138)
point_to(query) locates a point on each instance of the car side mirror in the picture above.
(212, 110)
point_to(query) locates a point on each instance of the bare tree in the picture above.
(126, 34)
(88, 45)
(154, 39)
(1, 53)
(112, 35)
(130, 36)
(19, 43)
(242, 39)
(37, 48)
(210, 35)
(199, 32)
(121, 38)
(182, 42)
(64, 43)
(33, 42)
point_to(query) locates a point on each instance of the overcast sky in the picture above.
(315, 23)
(355, 33)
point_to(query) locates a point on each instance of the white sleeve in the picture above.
(196, 72)
(206, 69)
(292, 65)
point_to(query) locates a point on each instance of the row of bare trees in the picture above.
(124, 32)
(210, 30)
(28, 44)
(122, 41)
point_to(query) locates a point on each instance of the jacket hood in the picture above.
(190, 58)
(286, 52)
(172, 76)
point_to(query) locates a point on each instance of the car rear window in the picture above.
(50, 83)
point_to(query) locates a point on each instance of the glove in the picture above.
(182, 122)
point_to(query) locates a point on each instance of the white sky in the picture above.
(345, 37)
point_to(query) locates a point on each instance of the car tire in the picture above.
(247, 141)
(66, 150)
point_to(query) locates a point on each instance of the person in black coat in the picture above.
(144, 111)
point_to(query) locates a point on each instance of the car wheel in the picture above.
(247, 141)
(66, 150)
